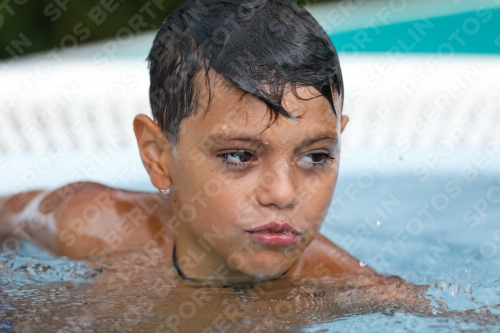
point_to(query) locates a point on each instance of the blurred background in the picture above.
(45, 23)
(419, 187)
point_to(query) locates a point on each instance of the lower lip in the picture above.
(274, 238)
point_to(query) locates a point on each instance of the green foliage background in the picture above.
(45, 22)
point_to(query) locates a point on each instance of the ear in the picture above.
(155, 150)
(343, 122)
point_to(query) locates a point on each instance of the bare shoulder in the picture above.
(322, 257)
(81, 220)
(96, 219)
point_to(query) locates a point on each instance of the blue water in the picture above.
(438, 228)
(32, 265)
(429, 221)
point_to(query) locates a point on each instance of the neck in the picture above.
(202, 267)
(215, 279)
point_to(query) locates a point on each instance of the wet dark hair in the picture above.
(259, 46)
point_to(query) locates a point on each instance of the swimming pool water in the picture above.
(439, 229)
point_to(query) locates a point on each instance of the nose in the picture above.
(277, 187)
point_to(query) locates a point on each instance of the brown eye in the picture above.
(237, 158)
(243, 156)
(315, 161)
(318, 157)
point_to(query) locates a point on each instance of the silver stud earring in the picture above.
(167, 191)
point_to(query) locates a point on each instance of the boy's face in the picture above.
(250, 197)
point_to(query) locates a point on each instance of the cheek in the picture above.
(316, 200)
(216, 200)
(233, 202)
(237, 194)
(190, 197)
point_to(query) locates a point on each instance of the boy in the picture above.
(245, 143)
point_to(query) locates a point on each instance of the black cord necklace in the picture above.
(177, 268)
(184, 277)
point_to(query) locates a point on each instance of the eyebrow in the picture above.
(228, 138)
(333, 139)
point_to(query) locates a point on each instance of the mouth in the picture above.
(274, 234)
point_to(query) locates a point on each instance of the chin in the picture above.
(266, 270)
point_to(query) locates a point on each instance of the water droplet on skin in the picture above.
(224, 127)
(442, 285)
(468, 289)
(362, 263)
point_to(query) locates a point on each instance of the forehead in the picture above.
(233, 111)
